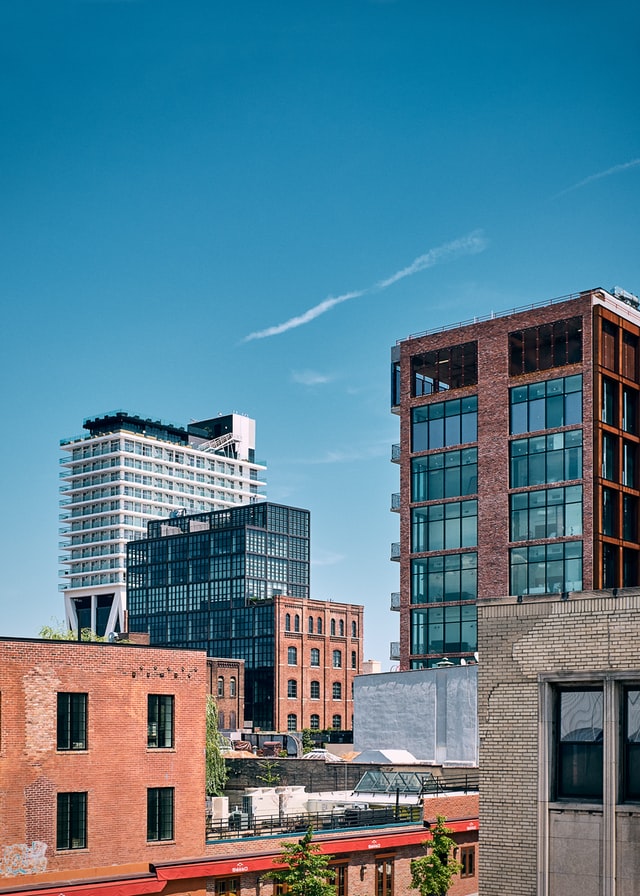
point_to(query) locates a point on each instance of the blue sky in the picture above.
(215, 207)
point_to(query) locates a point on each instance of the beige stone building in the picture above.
(559, 723)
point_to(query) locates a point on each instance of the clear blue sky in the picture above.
(178, 176)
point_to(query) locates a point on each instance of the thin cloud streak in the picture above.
(305, 318)
(587, 180)
(466, 245)
(309, 378)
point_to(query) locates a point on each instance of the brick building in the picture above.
(236, 584)
(101, 755)
(519, 468)
(559, 717)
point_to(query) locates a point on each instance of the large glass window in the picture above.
(160, 720)
(292, 656)
(384, 875)
(547, 345)
(440, 630)
(631, 759)
(442, 527)
(630, 410)
(546, 568)
(609, 465)
(609, 511)
(445, 368)
(609, 402)
(547, 513)
(72, 721)
(444, 424)
(545, 459)
(71, 821)
(446, 475)
(547, 405)
(445, 577)
(160, 813)
(579, 721)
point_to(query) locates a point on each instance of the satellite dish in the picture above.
(112, 637)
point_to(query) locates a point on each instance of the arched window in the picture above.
(336, 722)
(287, 622)
(337, 659)
(292, 688)
(292, 722)
(341, 628)
(296, 623)
(232, 686)
(310, 625)
(354, 629)
(333, 627)
(315, 722)
(354, 660)
(315, 690)
(292, 656)
(220, 686)
(319, 625)
(337, 690)
(315, 656)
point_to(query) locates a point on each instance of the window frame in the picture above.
(467, 858)
(157, 705)
(71, 820)
(72, 720)
(160, 814)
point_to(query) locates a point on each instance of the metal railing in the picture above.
(240, 825)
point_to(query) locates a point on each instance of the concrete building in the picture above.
(559, 717)
(519, 468)
(126, 470)
(236, 584)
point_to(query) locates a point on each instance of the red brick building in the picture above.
(519, 468)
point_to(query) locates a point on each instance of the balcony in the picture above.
(394, 650)
(395, 600)
(395, 502)
(395, 454)
(395, 550)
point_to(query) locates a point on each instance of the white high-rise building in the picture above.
(127, 470)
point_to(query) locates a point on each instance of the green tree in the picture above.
(307, 741)
(58, 632)
(216, 768)
(306, 871)
(269, 772)
(432, 873)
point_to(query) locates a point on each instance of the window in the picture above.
(445, 368)
(546, 513)
(333, 627)
(226, 886)
(314, 722)
(541, 460)
(336, 690)
(609, 402)
(337, 659)
(72, 721)
(287, 622)
(546, 568)
(444, 578)
(232, 686)
(354, 659)
(336, 722)
(631, 758)
(341, 628)
(292, 722)
(341, 878)
(579, 723)
(160, 720)
(354, 629)
(220, 686)
(71, 821)
(315, 690)
(292, 688)
(160, 813)
(545, 346)
(384, 876)
(296, 623)
(468, 861)
(442, 630)
(310, 625)
(319, 626)
(292, 656)
(444, 424)
(547, 405)
(443, 527)
(315, 656)
(448, 474)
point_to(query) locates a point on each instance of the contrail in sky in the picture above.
(587, 180)
(466, 245)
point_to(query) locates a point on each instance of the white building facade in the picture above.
(127, 470)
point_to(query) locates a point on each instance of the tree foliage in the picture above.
(216, 769)
(58, 632)
(306, 871)
(270, 772)
(432, 873)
